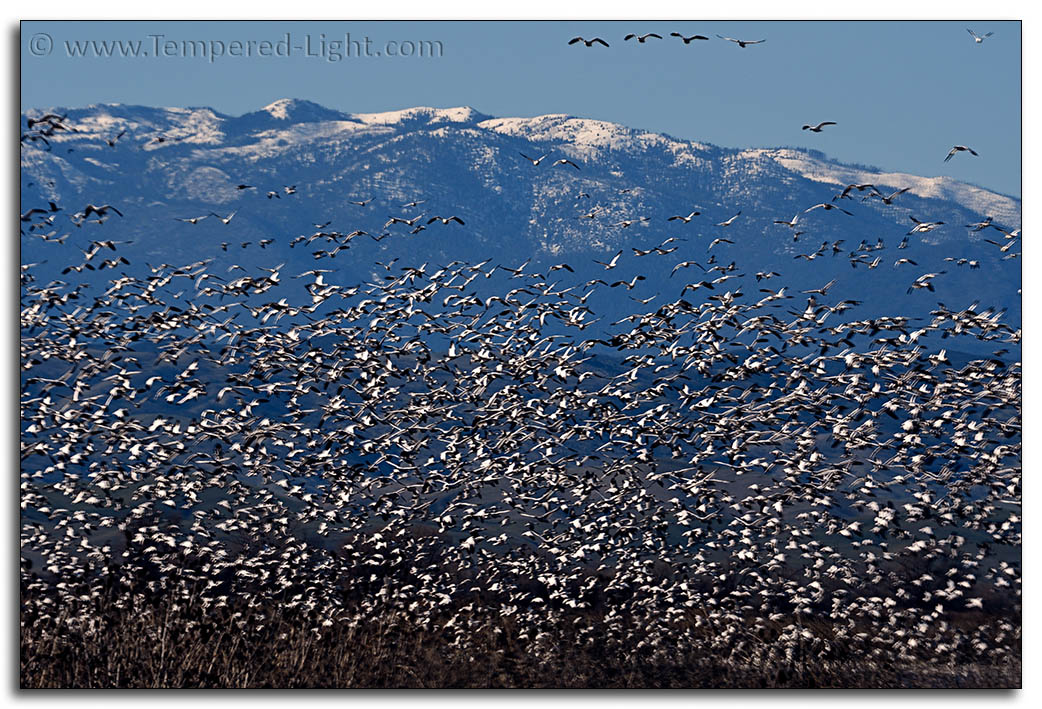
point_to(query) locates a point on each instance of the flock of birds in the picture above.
(641, 39)
(686, 39)
(720, 472)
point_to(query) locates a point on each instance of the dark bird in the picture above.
(818, 127)
(642, 38)
(687, 40)
(100, 211)
(958, 149)
(588, 42)
(112, 141)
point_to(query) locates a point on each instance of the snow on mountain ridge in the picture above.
(285, 123)
(433, 116)
(1005, 210)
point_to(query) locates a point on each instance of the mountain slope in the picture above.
(173, 163)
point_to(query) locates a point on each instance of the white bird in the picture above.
(535, 161)
(979, 39)
(611, 264)
(686, 220)
(225, 220)
(923, 227)
(565, 161)
(445, 220)
(730, 221)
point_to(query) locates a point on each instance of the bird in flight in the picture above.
(226, 220)
(565, 161)
(100, 211)
(893, 195)
(817, 128)
(958, 149)
(535, 161)
(923, 227)
(743, 43)
(686, 220)
(685, 264)
(642, 38)
(979, 39)
(827, 206)
(730, 221)
(611, 264)
(978, 226)
(627, 223)
(688, 40)
(823, 291)
(399, 220)
(588, 42)
(445, 220)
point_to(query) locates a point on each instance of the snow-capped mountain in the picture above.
(158, 165)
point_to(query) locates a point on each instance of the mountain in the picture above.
(166, 164)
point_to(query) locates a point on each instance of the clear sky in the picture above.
(902, 93)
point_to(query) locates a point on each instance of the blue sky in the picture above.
(902, 92)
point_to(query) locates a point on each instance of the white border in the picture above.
(533, 9)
